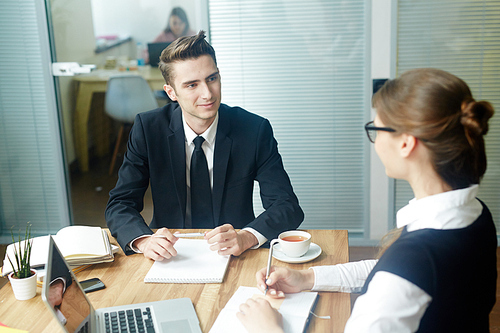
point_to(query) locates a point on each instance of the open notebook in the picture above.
(80, 245)
(194, 263)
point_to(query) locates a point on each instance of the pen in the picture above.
(185, 235)
(190, 234)
(269, 259)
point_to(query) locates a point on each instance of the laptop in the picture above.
(66, 300)
(155, 50)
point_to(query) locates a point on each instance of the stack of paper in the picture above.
(80, 245)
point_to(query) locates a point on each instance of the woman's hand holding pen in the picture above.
(284, 280)
(158, 246)
(257, 315)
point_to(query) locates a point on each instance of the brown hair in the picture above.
(438, 108)
(181, 14)
(184, 48)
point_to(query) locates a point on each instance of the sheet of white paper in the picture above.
(194, 263)
(294, 309)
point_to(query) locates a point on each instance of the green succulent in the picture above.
(22, 254)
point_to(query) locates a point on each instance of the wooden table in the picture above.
(87, 85)
(124, 285)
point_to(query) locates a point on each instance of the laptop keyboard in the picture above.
(85, 328)
(132, 321)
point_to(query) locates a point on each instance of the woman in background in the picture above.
(177, 26)
(439, 274)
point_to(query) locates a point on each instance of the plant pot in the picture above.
(23, 288)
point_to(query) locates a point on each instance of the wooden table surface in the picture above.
(124, 285)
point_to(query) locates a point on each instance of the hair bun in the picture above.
(475, 116)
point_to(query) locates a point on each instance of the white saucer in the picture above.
(313, 253)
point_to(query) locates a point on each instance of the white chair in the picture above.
(126, 96)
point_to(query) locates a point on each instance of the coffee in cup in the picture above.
(293, 243)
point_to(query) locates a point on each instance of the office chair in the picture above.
(162, 97)
(126, 96)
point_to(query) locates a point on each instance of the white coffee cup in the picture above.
(293, 243)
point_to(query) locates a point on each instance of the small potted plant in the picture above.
(23, 278)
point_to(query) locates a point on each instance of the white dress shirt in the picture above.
(391, 303)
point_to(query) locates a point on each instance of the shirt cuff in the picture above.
(260, 238)
(136, 250)
(326, 279)
(348, 278)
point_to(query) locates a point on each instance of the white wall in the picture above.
(383, 64)
(143, 20)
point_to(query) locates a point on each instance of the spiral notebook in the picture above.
(194, 263)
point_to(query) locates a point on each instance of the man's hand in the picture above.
(56, 290)
(158, 246)
(228, 241)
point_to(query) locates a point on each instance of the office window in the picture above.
(32, 180)
(462, 37)
(305, 67)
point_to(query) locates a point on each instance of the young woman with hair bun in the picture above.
(438, 273)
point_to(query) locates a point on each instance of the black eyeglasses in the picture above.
(371, 131)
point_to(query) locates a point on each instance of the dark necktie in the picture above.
(201, 193)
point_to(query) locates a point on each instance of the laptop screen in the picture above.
(155, 50)
(62, 293)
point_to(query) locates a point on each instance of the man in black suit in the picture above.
(238, 148)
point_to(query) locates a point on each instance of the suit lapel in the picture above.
(177, 149)
(221, 157)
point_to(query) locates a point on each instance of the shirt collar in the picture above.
(208, 135)
(448, 210)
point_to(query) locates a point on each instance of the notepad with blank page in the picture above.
(295, 309)
(194, 263)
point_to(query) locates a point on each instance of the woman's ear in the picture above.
(170, 92)
(408, 144)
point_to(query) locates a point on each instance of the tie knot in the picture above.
(198, 141)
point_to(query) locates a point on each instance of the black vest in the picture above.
(456, 267)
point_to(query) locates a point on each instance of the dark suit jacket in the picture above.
(245, 150)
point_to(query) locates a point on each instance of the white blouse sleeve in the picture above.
(348, 278)
(391, 304)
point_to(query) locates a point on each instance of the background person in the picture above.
(239, 149)
(177, 26)
(439, 275)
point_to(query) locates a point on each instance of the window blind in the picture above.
(461, 37)
(32, 181)
(304, 66)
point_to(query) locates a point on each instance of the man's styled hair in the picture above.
(184, 48)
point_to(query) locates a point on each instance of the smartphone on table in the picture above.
(92, 285)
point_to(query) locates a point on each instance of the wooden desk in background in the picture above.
(124, 285)
(87, 85)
